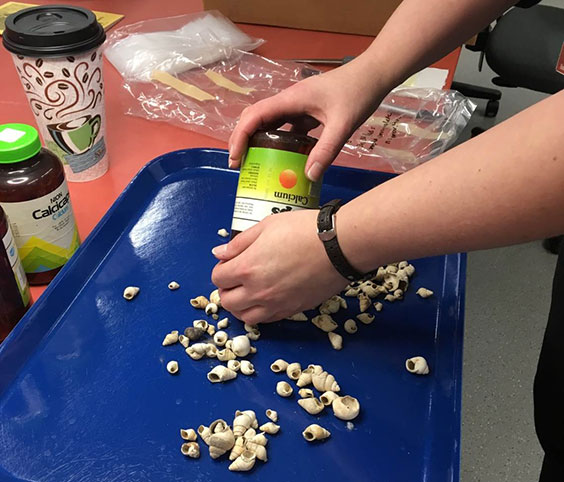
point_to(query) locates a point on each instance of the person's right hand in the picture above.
(340, 100)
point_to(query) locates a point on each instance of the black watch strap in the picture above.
(327, 233)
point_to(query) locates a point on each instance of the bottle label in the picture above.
(44, 230)
(272, 181)
(17, 268)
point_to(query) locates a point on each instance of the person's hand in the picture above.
(340, 100)
(275, 269)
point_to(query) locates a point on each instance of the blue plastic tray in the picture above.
(84, 394)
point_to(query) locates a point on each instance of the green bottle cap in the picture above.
(18, 142)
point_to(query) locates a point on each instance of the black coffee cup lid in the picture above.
(52, 31)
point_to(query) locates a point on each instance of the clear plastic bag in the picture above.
(410, 127)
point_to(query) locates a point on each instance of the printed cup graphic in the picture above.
(66, 95)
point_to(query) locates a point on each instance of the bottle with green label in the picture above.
(14, 288)
(35, 196)
(272, 178)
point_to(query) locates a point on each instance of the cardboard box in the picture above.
(364, 17)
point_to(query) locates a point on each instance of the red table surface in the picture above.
(132, 141)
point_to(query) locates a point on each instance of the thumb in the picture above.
(322, 155)
(225, 252)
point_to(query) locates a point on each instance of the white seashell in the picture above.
(234, 365)
(215, 316)
(253, 332)
(253, 350)
(184, 340)
(238, 448)
(173, 285)
(390, 298)
(365, 318)
(130, 292)
(424, 292)
(250, 433)
(311, 405)
(223, 323)
(279, 366)
(253, 416)
(327, 397)
(214, 298)
(371, 290)
(269, 428)
(221, 439)
(398, 294)
(409, 270)
(272, 415)
(284, 389)
(223, 232)
(226, 354)
(194, 355)
(324, 382)
(301, 316)
(315, 432)
(380, 274)
(205, 433)
(211, 309)
(364, 302)
(211, 350)
(336, 340)
(211, 330)
(229, 344)
(317, 369)
(260, 453)
(294, 370)
(343, 303)
(247, 368)
(306, 393)
(391, 282)
(201, 324)
(391, 268)
(172, 367)
(200, 302)
(241, 423)
(220, 338)
(378, 306)
(402, 264)
(221, 373)
(241, 346)
(352, 292)
(243, 463)
(350, 326)
(171, 338)
(346, 408)
(188, 434)
(305, 377)
(191, 449)
(324, 322)
(330, 306)
(417, 365)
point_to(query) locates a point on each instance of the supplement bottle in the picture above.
(14, 289)
(35, 197)
(272, 178)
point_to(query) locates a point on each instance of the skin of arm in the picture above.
(417, 34)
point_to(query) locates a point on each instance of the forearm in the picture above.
(421, 32)
(505, 186)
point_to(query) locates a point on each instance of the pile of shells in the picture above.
(390, 283)
(204, 340)
(344, 407)
(241, 439)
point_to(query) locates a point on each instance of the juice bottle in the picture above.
(272, 178)
(14, 288)
(35, 197)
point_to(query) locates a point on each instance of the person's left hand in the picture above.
(275, 269)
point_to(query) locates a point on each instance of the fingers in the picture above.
(225, 252)
(260, 115)
(328, 146)
(256, 314)
(236, 300)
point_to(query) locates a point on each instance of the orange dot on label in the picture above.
(288, 178)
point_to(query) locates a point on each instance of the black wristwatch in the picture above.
(327, 233)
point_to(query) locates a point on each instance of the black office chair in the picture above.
(523, 50)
